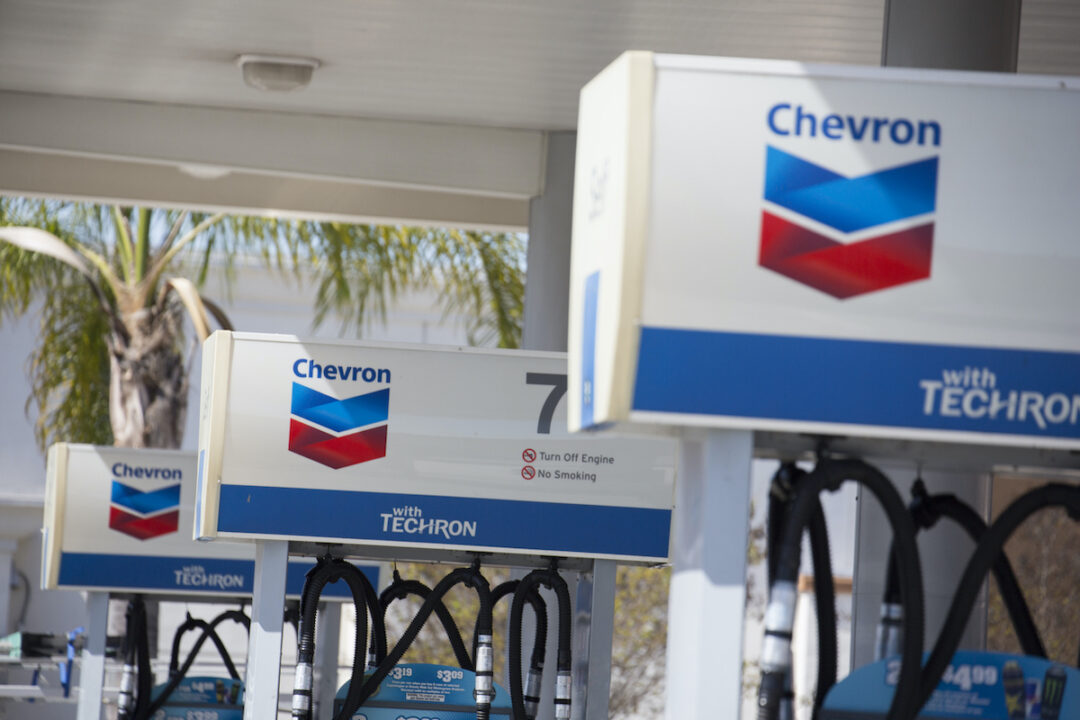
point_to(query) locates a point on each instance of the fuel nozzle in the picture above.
(484, 689)
(125, 698)
(532, 691)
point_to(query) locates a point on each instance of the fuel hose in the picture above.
(781, 493)
(177, 674)
(535, 674)
(830, 474)
(926, 510)
(550, 578)
(484, 689)
(399, 589)
(136, 681)
(196, 624)
(986, 554)
(329, 570)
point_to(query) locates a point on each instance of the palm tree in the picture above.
(113, 285)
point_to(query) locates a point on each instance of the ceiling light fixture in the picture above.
(276, 72)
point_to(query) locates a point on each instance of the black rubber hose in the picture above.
(484, 644)
(825, 602)
(400, 589)
(992, 544)
(145, 674)
(781, 492)
(927, 510)
(196, 624)
(132, 687)
(209, 630)
(357, 695)
(830, 475)
(539, 606)
(357, 582)
(375, 609)
(551, 579)
(325, 570)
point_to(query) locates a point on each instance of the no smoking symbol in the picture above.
(529, 455)
(528, 472)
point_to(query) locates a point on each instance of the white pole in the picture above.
(267, 618)
(708, 580)
(92, 663)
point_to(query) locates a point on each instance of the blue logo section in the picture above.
(885, 384)
(340, 415)
(850, 204)
(145, 503)
(429, 519)
(588, 349)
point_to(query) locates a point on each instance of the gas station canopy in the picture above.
(428, 112)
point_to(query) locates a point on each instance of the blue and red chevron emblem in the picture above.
(338, 433)
(144, 515)
(848, 206)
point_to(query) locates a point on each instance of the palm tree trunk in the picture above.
(148, 382)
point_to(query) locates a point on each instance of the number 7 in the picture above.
(558, 389)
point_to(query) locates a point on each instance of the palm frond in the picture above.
(69, 368)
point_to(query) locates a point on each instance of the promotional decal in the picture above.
(975, 686)
(203, 698)
(414, 691)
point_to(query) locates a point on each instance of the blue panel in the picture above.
(297, 572)
(185, 575)
(850, 204)
(588, 349)
(933, 387)
(166, 498)
(472, 522)
(179, 574)
(340, 415)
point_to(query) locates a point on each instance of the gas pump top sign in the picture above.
(800, 248)
(120, 519)
(390, 445)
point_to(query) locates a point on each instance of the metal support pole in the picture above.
(326, 658)
(594, 628)
(92, 663)
(708, 581)
(953, 35)
(267, 619)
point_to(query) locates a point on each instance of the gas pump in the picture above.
(769, 254)
(114, 525)
(423, 454)
(956, 684)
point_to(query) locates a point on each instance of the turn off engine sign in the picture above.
(374, 444)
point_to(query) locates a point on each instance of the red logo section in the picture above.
(840, 270)
(336, 451)
(898, 199)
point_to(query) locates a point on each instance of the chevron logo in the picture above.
(815, 222)
(338, 433)
(144, 515)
